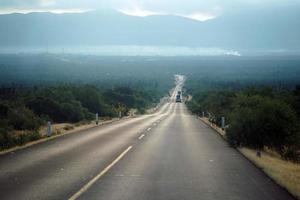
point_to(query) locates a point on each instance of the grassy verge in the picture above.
(284, 173)
(24, 111)
(57, 131)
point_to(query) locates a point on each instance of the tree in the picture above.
(258, 121)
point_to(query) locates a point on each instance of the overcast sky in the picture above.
(198, 9)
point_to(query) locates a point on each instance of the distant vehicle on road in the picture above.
(178, 98)
(179, 92)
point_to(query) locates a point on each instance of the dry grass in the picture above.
(82, 123)
(285, 173)
(58, 130)
(68, 127)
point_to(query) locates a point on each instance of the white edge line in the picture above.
(97, 177)
(141, 136)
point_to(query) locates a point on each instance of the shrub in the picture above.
(69, 111)
(292, 153)
(68, 127)
(33, 136)
(21, 118)
(3, 110)
(91, 98)
(258, 121)
(217, 103)
(22, 139)
(44, 106)
(6, 140)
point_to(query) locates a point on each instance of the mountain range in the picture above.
(272, 30)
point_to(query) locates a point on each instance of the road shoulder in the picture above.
(59, 132)
(284, 173)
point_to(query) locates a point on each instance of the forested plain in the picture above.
(36, 89)
(260, 100)
(258, 96)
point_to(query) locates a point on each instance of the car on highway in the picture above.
(178, 98)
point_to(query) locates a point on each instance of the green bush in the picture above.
(22, 139)
(44, 106)
(91, 98)
(21, 118)
(6, 141)
(72, 112)
(33, 136)
(4, 108)
(216, 103)
(27, 109)
(258, 121)
(292, 153)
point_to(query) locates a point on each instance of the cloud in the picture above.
(144, 13)
(200, 16)
(232, 53)
(195, 9)
(51, 10)
(132, 50)
(136, 11)
(26, 3)
(140, 12)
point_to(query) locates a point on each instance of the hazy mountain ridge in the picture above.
(240, 31)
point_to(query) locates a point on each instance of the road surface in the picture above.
(166, 155)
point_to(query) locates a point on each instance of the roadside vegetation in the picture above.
(259, 98)
(285, 173)
(255, 118)
(27, 109)
(262, 120)
(69, 89)
(256, 95)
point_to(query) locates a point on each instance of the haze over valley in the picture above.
(111, 32)
(150, 99)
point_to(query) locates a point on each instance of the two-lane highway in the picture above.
(166, 155)
(182, 158)
(57, 168)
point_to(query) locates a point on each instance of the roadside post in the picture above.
(97, 119)
(209, 118)
(223, 123)
(119, 110)
(258, 153)
(203, 114)
(49, 129)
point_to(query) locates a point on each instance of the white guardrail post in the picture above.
(97, 118)
(223, 123)
(49, 129)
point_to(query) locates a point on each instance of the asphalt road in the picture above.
(166, 155)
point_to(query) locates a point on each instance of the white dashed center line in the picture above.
(97, 177)
(141, 136)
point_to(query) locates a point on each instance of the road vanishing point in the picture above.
(166, 155)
